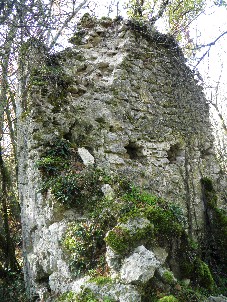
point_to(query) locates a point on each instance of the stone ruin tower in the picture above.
(123, 95)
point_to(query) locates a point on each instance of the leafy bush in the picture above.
(84, 242)
(65, 175)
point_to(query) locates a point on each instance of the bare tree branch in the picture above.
(209, 45)
(203, 56)
(222, 119)
(161, 11)
(64, 25)
(213, 42)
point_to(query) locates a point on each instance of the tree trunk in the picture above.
(9, 248)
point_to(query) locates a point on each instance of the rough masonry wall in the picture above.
(127, 98)
(142, 103)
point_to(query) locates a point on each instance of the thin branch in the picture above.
(223, 122)
(211, 43)
(203, 56)
(64, 25)
(161, 11)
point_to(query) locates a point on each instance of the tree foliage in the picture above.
(176, 14)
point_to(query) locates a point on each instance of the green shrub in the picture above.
(56, 159)
(66, 177)
(84, 243)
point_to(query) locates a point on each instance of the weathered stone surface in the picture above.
(136, 223)
(86, 156)
(132, 106)
(107, 191)
(119, 292)
(133, 226)
(160, 254)
(140, 266)
(59, 283)
(217, 299)
(114, 262)
(77, 285)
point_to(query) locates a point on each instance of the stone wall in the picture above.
(126, 99)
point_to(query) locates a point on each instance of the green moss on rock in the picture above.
(203, 275)
(84, 244)
(166, 217)
(168, 299)
(85, 296)
(168, 277)
(101, 280)
(119, 240)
